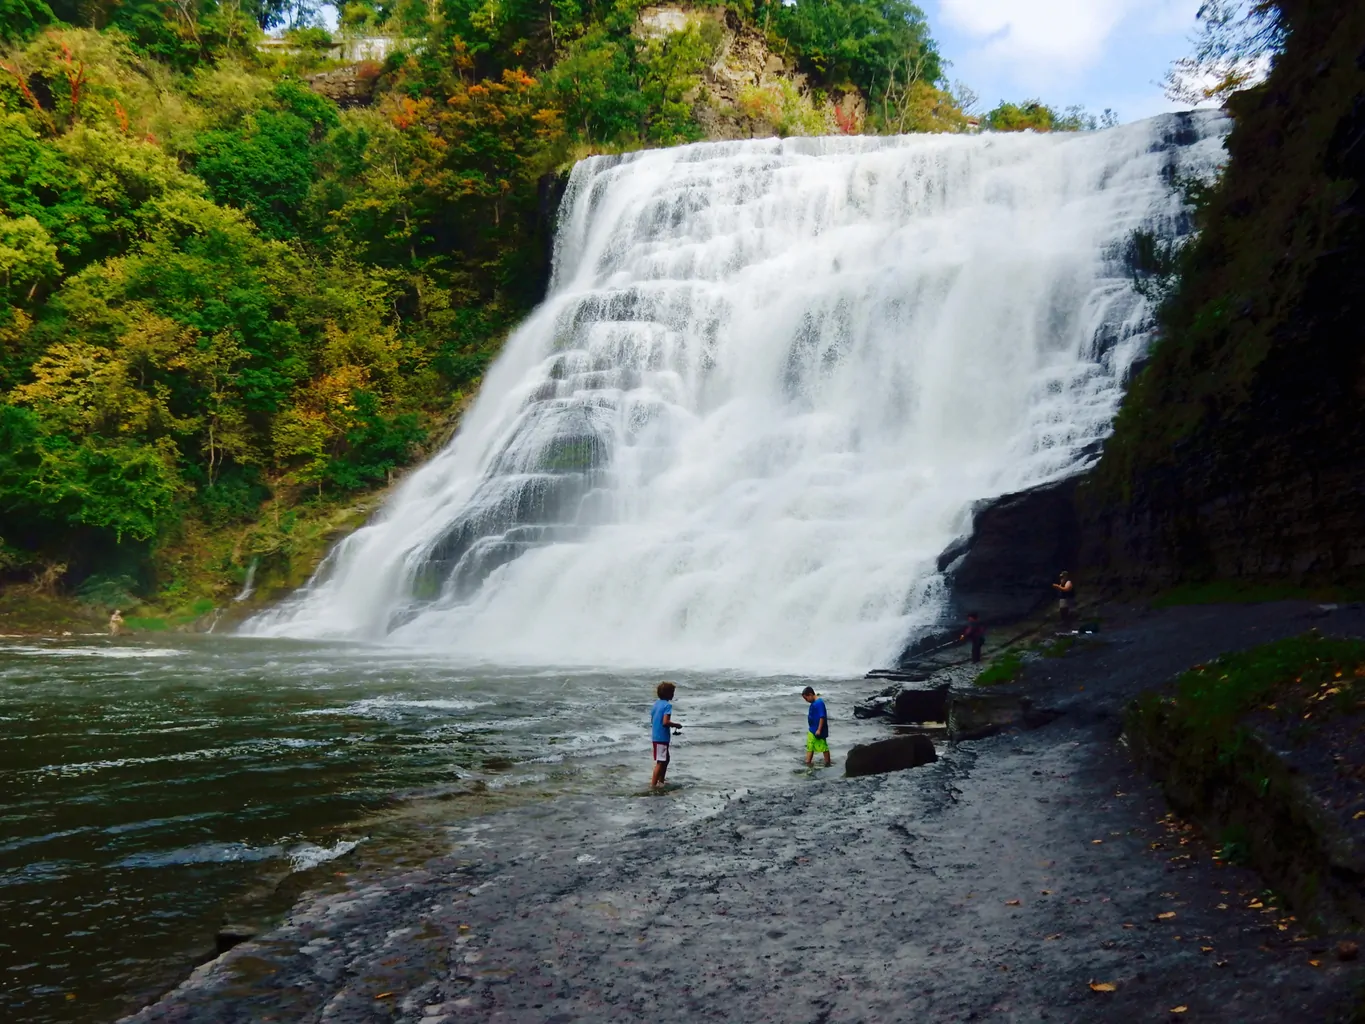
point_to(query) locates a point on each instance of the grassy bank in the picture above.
(1265, 749)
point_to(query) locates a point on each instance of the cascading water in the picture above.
(769, 381)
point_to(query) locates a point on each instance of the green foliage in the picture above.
(1306, 675)
(1034, 115)
(786, 108)
(873, 44)
(234, 497)
(267, 165)
(49, 481)
(21, 18)
(1005, 668)
(375, 446)
(183, 34)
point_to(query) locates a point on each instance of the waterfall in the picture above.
(769, 381)
(249, 585)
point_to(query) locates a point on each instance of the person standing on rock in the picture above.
(976, 633)
(662, 729)
(116, 623)
(1066, 593)
(817, 727)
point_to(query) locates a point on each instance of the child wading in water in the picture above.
(661, 720)
(817, 727)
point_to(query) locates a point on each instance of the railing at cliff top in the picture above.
(347, 48)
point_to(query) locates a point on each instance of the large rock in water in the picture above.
(891, 755)
(1019, 543)
(929, 705)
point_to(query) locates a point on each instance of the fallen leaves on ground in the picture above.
(1179, 1009)
(1165, 915)
(1103, 986)
(1314, 963)
(1011, 903)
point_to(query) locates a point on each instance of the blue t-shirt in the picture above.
(661, 732)
(813, 716)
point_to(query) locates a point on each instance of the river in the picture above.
(155, 787)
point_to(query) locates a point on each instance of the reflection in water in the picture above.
(150, 789)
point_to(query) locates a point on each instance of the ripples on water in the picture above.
(151, 787)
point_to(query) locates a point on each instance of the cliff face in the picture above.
(1240, 451)
(748, 91)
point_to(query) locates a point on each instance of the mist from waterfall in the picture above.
(769, 382)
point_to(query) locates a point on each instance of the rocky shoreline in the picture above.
(1030, 875)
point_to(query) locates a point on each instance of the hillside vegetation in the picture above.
(230, 309)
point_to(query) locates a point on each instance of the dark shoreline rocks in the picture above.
(893, 755)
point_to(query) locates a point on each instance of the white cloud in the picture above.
(1067, 34)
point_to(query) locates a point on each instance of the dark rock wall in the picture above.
(1019, 544)
(1240, 450)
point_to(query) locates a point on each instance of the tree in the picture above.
(873, 44)
(21, 18)
(266, 166)
(1236, 42)
(28, 257)
(1034, 115)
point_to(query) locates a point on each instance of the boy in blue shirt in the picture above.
(817, 727)
(661, 721)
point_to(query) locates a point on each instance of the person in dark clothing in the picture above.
(974, 631)
(1066, 598)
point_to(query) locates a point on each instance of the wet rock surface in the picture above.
(996, 884)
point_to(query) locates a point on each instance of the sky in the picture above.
(1097, 53)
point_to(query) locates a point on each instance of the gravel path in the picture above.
(996, 884)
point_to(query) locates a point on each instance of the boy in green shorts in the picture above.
(817, 727)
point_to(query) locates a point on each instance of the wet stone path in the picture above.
(1020, 878)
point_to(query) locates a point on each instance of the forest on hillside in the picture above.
(229, 306)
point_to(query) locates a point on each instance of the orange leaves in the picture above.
(410, 112)
(1103, 986)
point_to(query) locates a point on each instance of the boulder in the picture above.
(974, 715)
(879, 706)
(930, 705)
(891, 755)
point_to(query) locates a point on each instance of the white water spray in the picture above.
(769, 381)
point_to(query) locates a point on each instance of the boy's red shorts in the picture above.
(661, 753)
